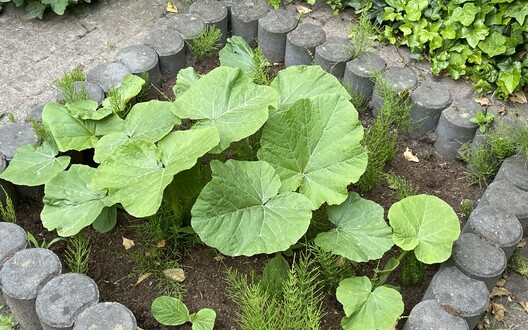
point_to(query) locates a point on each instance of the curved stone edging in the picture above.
(451, 123)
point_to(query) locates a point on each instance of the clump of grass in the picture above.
(519, 264)
(362, 35)
(466, 207)
(400, 186)
(7, 211)
(65, 86)
(6, 321)
(380, 137)
(207, 42)
(298, 307)
(77, 255)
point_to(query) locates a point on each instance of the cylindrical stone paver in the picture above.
(359, 73)
(187, 25)
(454, 127)
(459, 293)
(333, 54)
(396, 80)
(139, 59)
(63, 298)
(301, 43)
(479, 259)
(429, 99)
(272, 30)
(6, 187)
(108, 75)
(514, 169)
(106, 316)
(93, 91)
(21, 279)
(170, 48)
(15, 135)
(214, 14)
(12, 239)
(503, 195)
(428, 314)
(245, 16)
(495, 226)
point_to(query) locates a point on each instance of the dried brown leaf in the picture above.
(524, 305)
(171, 8)
(142, 278)
(498, 311)
(303, 10)
(218, 258)
(518, 97)
(128, 243)
(499, 292)
(161, 244)
(175, 274)
(483, 101)
(408, 155)
(521, 244)
(500, 283)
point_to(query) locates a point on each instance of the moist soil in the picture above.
(112, 267)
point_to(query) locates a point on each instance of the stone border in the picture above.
(477, 239)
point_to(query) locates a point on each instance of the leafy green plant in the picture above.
(7, 211)
(172, 311)
(332, 268)
(518, 263)
(6, 321)
(65, 86)
(36, 8)
(77, 254)
(207, 42)
(293, 302)
(483, 40)
(44, 244)
(482, 120)
(275, 3)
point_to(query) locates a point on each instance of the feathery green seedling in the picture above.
(362, 35)
(519, 264)
(332, 268)
(466, 207)
(7, 211)
(77, 255)
(39, 130)
(413, 271)
(6, 321)
(207, 42)
(400, 186)
(65, 86)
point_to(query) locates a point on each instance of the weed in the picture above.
(466, 207)
(39, 130)
(482, 120)
(362, 35)
(413, 271)
(261, 74)
(519, 264)
(357, 97)
(11, 117)
(7, 211)
(65, 86)
(207, 42)
(44, 244)
(299, 306)
(6, 321)
(77, 253)
(400, 186)
(332, 268)
(116, 102)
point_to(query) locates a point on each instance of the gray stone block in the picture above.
(21, 279)
(187, 25)
(245, 16)
(94, 92)
(428, 314)
(459, 293)
(139, 59)
(397, 80)
(63, 298)
(496, 227)
(514, 169)
(106, 316)
(272, 30)
(358, 75)
(213, 13)
(108, 75)
(12, 239)
(503, 195)
(333, 54)
(13, 136)
(170, 48)
(454, 127)
(429, 99)
(301, 43)
(479, 259)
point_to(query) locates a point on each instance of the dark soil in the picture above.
(113, 269)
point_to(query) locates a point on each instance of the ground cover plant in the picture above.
(36, 8)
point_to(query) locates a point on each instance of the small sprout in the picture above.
(482, 120)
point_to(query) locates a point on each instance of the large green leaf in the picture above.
(361, 233)
(426, 224)
(185, 79)
(509, 80)
(69, 204)
(35, 165)
(203, 320)
(493, 45)
(228, 100)
(366, 309)
(69, 132)
(148, 121)
(465, 15)
(136, 173)
(238, 54)
(315, 147)
(169, 311)
(129, 88)
(58, 6)
(300, 82)
(240, 212)
(519, 10)
(88, 109)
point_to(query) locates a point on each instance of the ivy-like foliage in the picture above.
(36, 8)
(485, 40)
